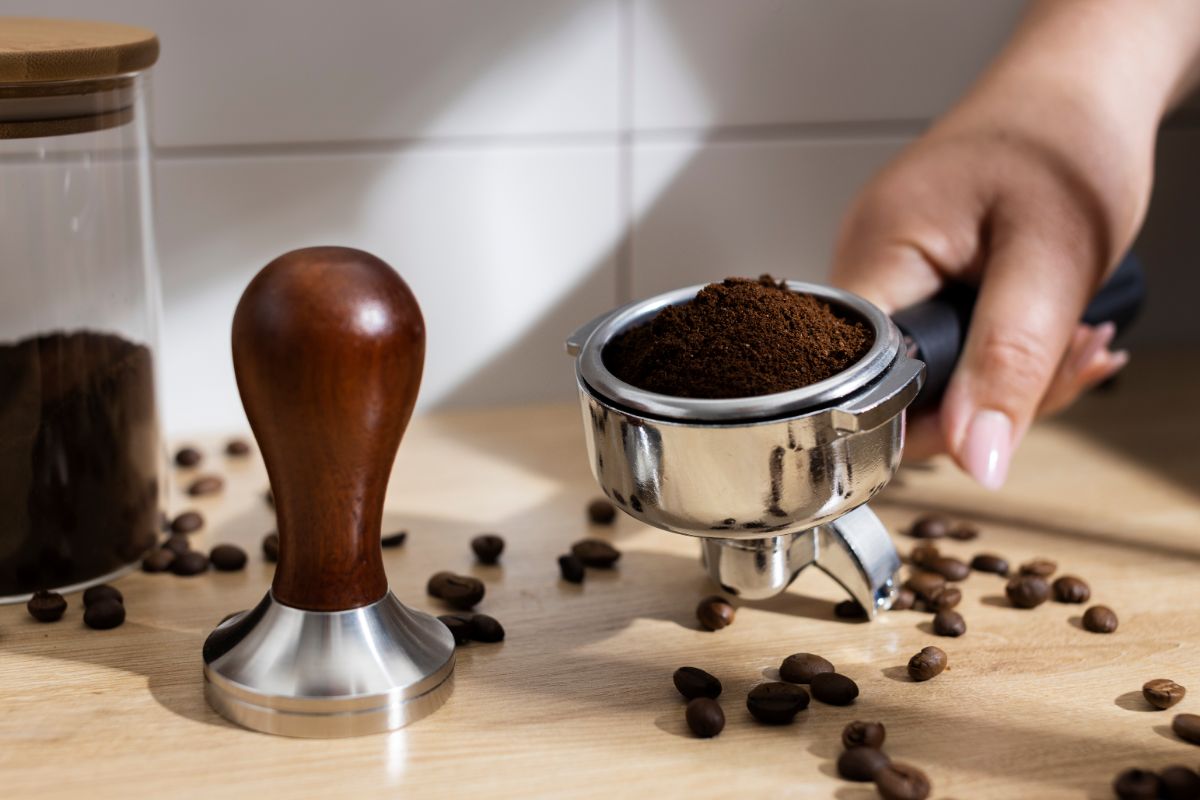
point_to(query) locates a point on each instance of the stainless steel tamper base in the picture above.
(318, 674)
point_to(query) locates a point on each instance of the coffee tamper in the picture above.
(776, 483)
(328, 348)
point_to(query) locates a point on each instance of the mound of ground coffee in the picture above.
(738, 338)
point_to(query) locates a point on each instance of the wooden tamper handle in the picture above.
(328, 347)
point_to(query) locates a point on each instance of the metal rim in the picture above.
(593, 373)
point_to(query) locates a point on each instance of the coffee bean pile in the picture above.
(939, 526)
(593, 553)
(177, 556)
(864, 761)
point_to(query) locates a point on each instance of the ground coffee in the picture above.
(738, 338)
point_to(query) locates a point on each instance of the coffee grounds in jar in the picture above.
(738, 338)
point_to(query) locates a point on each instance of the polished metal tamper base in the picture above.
(318, 674)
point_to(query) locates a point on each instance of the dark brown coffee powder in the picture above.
(738, 338)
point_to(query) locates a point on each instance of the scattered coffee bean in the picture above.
(187, 522)
(833, 688)
(931, 526)
(898, 781)
(922, 584)
(923, 554)
(863, 734)
(1180, 783)
(1069, 589)
(486, 629)
(104, 614)
(571, 568)
(1042, 567)
(964, 532)
(803, 667)
(861, 763)
(943, 599)
(601, 512)
(1187, 727)
(227, 558)
(949, 623)
(177, 543)
(693, 682)
(237, 448)
(849, 609)
(705, 717)
(904, 599)
(393, 539)
(205, 485)
(1137, 784)
(1100, 619)
(1027, 591)
(188, 457)
(596, 553)
(46, 606)
(987, 562)
(270, 547)
(158, 560)
(190, 562)
(950, 568)
(776, 703)
(487, 548)
(715, 613)
(1162, 692)
(459, 625)
(461, 591)
(102, 592)
(927, 664)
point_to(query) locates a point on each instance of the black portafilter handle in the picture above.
(937, 328)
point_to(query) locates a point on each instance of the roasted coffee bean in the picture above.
(943, 599)
(776, 703)
(833, 688)
(931, 526)
(191, 562)
(187, 522)
(205, 485)
(693, 682)
(715, 612)
(1069, 589)
(227, 558)
(1137, 784)
(950, 568)
(461, 591)
(1027, 591)
(158, 560)
(104, 614)
(863, 734)
(596, 553)
(904, 599)
(987, 562)
(102, 592)
(705, 717)
(601, 512)
(487, 548)
(177, 543)
(861, 763)
(571, 568)
(849, 609)
(927, 664)
(898, 781)
(922, 554)
(188, 457)
(486, 629)
(949, 623)
(1187, 727)
(1042, 567)
(1179, 783)
(46, 606)
(964, 532)
(237, 448)
(1162, 692)
(459, 625)
(923, 583)
(803, 667)
(393, 539)
(270, 547)
(1100, 619)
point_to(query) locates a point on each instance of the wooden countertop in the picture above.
(578, 701)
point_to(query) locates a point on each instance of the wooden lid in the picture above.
(33, 49)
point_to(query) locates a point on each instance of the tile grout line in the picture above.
(625, 211)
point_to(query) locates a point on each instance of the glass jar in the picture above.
(80, 453)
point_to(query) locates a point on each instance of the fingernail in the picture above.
(987, 448)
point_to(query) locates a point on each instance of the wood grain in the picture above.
(578, 702)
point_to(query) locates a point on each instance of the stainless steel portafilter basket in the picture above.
(771, 484)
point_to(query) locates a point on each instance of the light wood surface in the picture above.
(578, 701)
